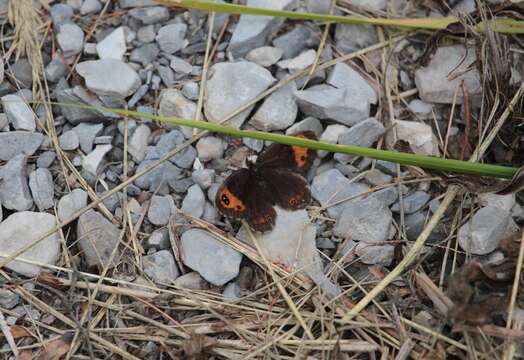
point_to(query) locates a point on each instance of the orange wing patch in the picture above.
(300, 155)
(230, 201)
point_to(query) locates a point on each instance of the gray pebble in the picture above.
(215, 261)
(413, 202)
(14, 189)
(160, 209)
(194, 202)
(43, 188)
(97, 239)
(71, 203)
(161, 267)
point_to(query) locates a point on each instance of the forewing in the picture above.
(291, 189)
(242, 196)
(294, 158)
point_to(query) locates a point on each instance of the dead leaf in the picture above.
(195, 346)
(56, 349)
(20, 332)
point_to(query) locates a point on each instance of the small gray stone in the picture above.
(161, 267)
(75, 115)
(8, 299)
(159, 239)
(211, 214)
(375, 254)
(421, 109)
(412, 203)
(55, 70)
(70, 38)
(18, 112)
(367, 220)
(181, 185)
(61, 13)
(185, 158)
(448, 68)
(204, 177)
(191, 90)
(375, 177)
(252, 31)
(302, 61)
(253, 144)
(214, 261)
(309, 123)
(160, 209)
(19, 142)
(350, 38)
(232, 85)
(90, 7)
(69, 140)
(210, 148)
(150, 15)
(292, 43)
(212, 192)
(136, 3)
(144, 54)
(87, 134)
(109, 77)
(180, 65)
(97, 238)
(171, 38)
(484, 231)
(194, 201)
(103, 140)
(23, 228)
(167, 75)
(419, 136)
(163, 174)
(146, 34)
(231, 291)
(91, 163)
(278, 111)
(45, 159)
(113, 46)
(506, 202)
(265, 56)
(70, 203)
(330, 135)
(318, 6)
(328, 102)
(22, 71)
(14, 189)
(138, 142)
(43, 188)
(191, 280)
(345, 77)
(362, 134)
(174, 104)
(332, 187)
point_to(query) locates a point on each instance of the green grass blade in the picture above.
(504, 25)
(429, 162)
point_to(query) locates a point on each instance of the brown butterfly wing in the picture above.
(294, 158)
(291, 189)
(244, 196)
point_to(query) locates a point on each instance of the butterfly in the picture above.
(275, 178)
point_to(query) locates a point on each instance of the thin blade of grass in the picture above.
(423, 161)
(502, 25)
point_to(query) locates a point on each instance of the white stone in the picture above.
(23, 228)
(113, 46)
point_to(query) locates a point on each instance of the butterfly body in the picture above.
(276, 178)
